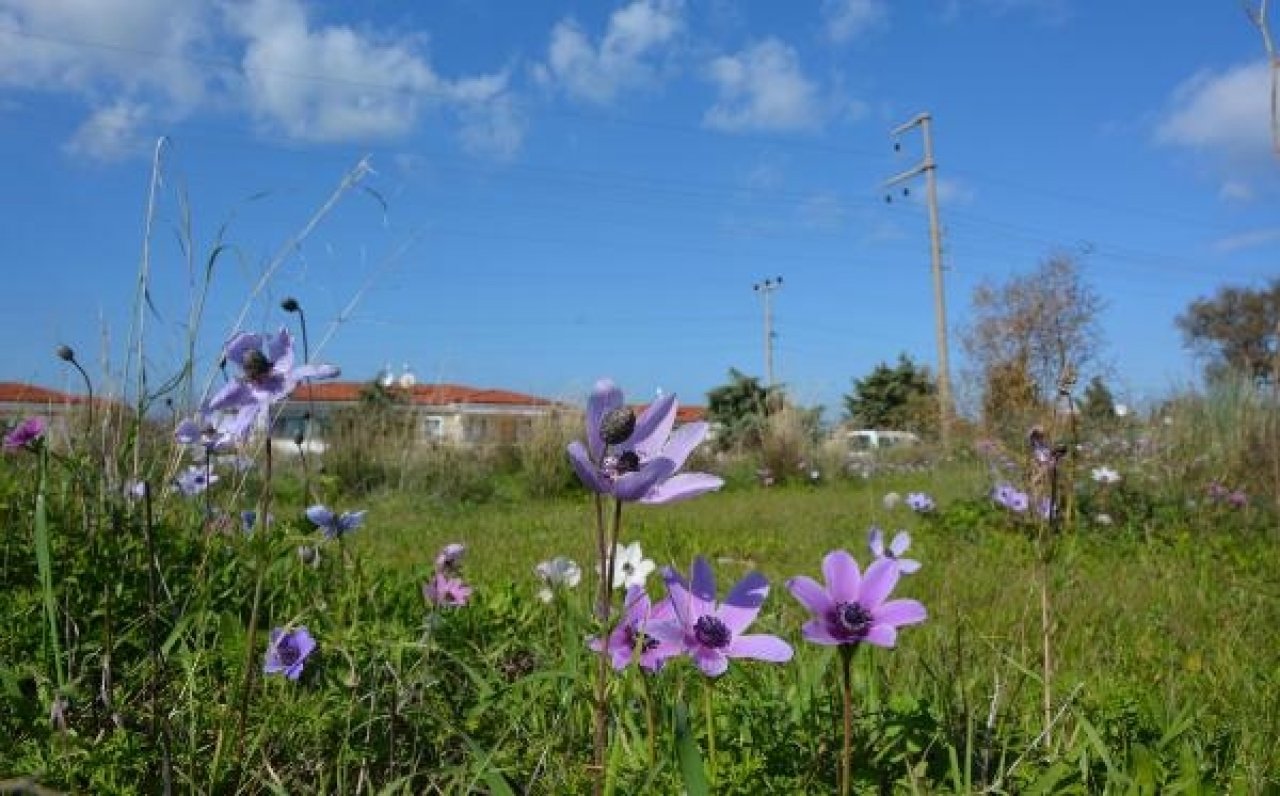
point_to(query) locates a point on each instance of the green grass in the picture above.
(1165, 636)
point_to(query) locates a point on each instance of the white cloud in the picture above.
(331, 83)
(490, 120)
(636, 36)
(112, 132)
(762, 88)
(846, 20)
(1247, 240)
(954, 193)
(1224, 114)
(1236, 191)
(94, 47)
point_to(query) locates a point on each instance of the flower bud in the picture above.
(65, 353)
(290, 304)
(617, 426)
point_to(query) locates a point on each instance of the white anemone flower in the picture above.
(560, 572)
(1105, 475)
(630, 567)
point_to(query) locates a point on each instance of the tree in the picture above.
(1238, 330)
(903, 397)
(1098, 406)
(1028, 332)
(737, 410)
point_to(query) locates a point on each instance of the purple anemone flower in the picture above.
(217, 432)
(1012, 499)
(286, 651)
(637, 458)
(851, 609)
(335, 525)
(711, 632)
(249, 520)
(446, 592)
(25, 433)
(194, 480)
(631, 639)
(920, 502)
(449, 559)
(901, 541)
(267, 372)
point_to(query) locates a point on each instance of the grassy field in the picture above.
(1165, 677)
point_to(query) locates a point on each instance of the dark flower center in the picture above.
(851, 620)
(287, 651)
(711, 632)
(638, 639)
(256, 366)
(616, 426)
(628, 462)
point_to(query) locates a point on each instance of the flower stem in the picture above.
(846, 693)
(650, 720)
(709, 716)
(600, 727)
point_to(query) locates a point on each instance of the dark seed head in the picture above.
(617, 426)
(65, 353)
(290, 304)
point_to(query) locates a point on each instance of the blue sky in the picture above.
(559, 191)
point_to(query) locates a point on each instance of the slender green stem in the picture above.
(846, 694)
(708, 685)
(600, 726)
(651, 723)
(44, 565)
(250, 670)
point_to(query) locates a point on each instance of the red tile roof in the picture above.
(424, 394)
(17, 392)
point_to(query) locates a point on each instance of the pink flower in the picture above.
(851, 609)
(25, 434)
(443, 591)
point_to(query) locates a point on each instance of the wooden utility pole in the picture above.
(765, 289)
(929, 168)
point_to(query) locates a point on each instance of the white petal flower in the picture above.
(560, 571)
(630, 567)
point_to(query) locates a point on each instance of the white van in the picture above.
(866, 441)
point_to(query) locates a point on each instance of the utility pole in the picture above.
(766, 289)
(929, 168)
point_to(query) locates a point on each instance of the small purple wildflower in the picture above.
(216, 432)
(711, 632)
(335, 525)
(195, 479)
(851, 608)
(901, 541)
(267, 372)
(920, 503)
(135, 490)
(1010, 498)
(443, 591)
(286, 651)
(631, 640)
(249, 520)
(1238, 499)
(636, 459)
(25, 434)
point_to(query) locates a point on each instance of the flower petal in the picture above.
(682, 487)
(653, 427)
(761, 647)
(879, 580)
(842, 575)
(233, 395)
(279, 347)
(634, 486)
(682, 442)
(908, 565)
(713, 663)
(320, 516)
(816, 632)
(702, 588)
(742, 605)
(187, 433)
(899, 613)
(876, 541)
(882, 636)
(810, 594)
(901, 541)
(588, 473)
